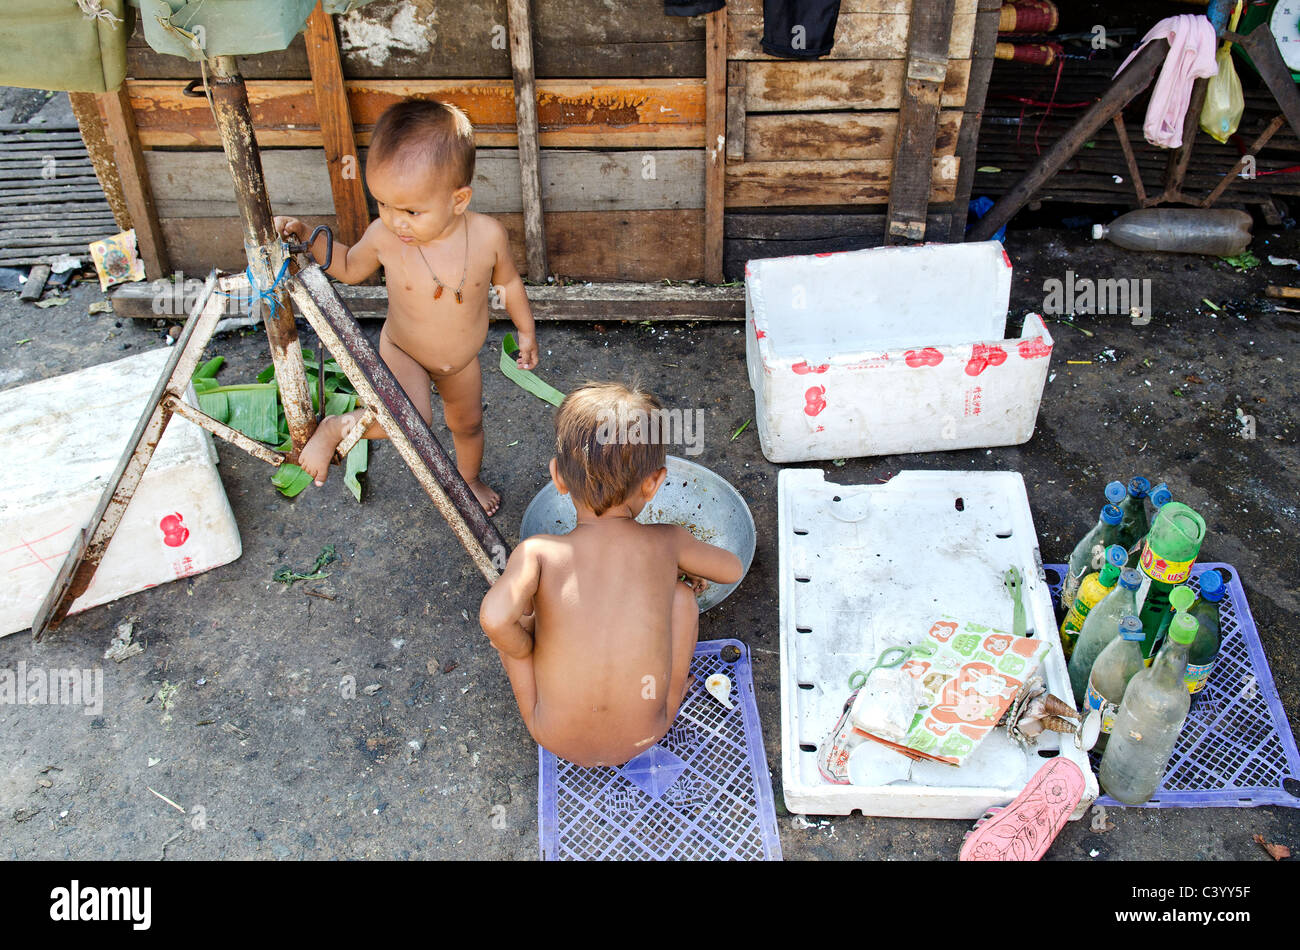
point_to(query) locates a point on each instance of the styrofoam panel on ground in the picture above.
(890, 350)
(865, 567)
(64, 437)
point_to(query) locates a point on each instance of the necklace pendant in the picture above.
(459, 298)
(437, 293)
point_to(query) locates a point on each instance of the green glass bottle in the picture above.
(1168, 554)
(1204, 651)
(1133, 525)
(1159, 497)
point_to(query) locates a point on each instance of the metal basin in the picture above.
(692, 496)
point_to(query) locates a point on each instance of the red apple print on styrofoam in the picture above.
(815, 400)
(1034, 349)
(803, 369)
(926, 357)
(173, 530)
(983, 356)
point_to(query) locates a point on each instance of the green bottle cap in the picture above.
(1183, 629)
(1182, 598)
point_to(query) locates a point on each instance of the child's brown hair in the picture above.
(426, 134)
(596, 460)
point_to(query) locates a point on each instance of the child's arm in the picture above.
(506, 277)
(509, 600)
(352, 264)
(708, 561)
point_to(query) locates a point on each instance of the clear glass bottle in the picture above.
(1090, 553)
(1159, 497)
(1149, 720)
(1100, 627)
(1092, 591)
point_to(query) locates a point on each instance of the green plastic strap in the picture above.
(1013, 581)
(523, 378)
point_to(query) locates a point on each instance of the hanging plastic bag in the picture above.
(1224, 102)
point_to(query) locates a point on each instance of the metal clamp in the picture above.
(305, 246)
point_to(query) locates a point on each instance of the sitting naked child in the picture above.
(440, 259)
(594, 628)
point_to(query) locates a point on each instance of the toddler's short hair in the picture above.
(597, 463)
(427, 135)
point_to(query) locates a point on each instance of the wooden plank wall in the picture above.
(810, 144)
(621, 93)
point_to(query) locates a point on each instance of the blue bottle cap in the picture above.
(1212, 586)
(1130, 628)
(1115, 554)
(1161, 495)
(1115, 492)
(1139, 487)
(1131, 579)
(1111, 515)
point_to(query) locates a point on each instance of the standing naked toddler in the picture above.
(440, 259)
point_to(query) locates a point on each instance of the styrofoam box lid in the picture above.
(64, 436)
(815, 306)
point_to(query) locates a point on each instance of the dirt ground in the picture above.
(260, 744)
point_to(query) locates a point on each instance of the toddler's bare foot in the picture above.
(314, 459)
(489, 499)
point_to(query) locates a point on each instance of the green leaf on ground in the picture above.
(290, 479)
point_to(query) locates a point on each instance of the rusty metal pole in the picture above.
(261, 244)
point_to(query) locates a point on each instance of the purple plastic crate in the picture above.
(1236, 749)
(702, 793)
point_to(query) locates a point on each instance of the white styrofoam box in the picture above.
(891, 349)
(63, 438)
(867, 567)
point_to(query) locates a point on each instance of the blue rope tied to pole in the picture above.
(268, 295)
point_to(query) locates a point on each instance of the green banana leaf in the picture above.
(524, 378)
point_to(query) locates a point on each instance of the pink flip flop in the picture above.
(1026, 828)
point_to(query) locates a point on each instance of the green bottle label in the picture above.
(1197, 674)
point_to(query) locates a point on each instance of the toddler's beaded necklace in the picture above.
(438, 292)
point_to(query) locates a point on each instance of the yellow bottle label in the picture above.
(1168, 572)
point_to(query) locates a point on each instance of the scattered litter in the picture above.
(1275, 851)
(48, 769)
(234, 730)
(1211, 304)
(465, 614)
(201, 681)
(1079, 362)
(1242, 262)
(735, 435)
(166, 698)
(1051, 376)
(839, 463)
(803, 824)
(100, 306)
(52, 302)
(64, 263)
(1283, 261)
(288, 577)
(153, 762)
(1107, 356)
(431, 667)
(372, 689)
(1100, 822)
(449, 666)
(321, 594)
(121, 646)
(168, 801)
(398, 643)
(719, 687)
(116, 260)
(511, 445)
(21, 342)
(44, 783)
(24, 814)
(1194, 379)
(1093, 853)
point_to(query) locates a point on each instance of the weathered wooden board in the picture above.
(857, 36)
(759, 184)
(896, 7)
(842, 135)
(665, 113)
(588, 245)
(426, 38)
(787, 86)
(198, 184)
(715, 141)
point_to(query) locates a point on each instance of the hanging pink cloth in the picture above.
(1191, 56)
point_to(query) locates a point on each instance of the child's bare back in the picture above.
(594, 628)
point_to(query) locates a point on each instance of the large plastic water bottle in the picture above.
(1222, 232)
(1204, 650)
(1090, 553)
(1149, 720)
(1133, 526)
(1110, 675)
(1100, 627)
